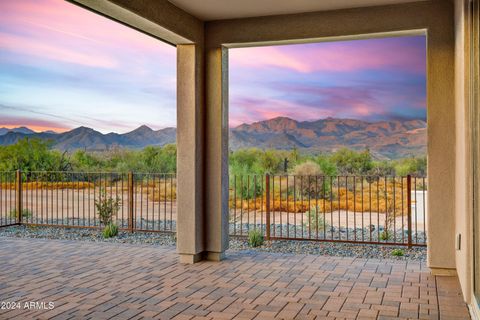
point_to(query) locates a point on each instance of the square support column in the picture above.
(216, 142)
(190, 153)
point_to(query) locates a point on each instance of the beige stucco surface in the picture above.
(216, 206)
(190, 150)
(463, 173)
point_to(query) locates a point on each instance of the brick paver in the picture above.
(88, 280)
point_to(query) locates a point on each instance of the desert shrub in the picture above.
(270, 162)
(327, 167)
(246, 177)
(26, 214)
(350, 162)
(315, 219)
(32, 155)
(382, 168)
(159, 159)
(413, 166)
(248, 186)
(255, 238)
(86, 161)
(110, 230)
(307, 168)
(107, 207)
(305, 183)
(398, 252)
(246, 158)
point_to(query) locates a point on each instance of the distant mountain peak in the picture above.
(143, 128)
(82, 129)
(23, 130)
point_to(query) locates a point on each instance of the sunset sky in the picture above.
(62, 67)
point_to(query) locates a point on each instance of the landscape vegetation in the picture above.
(361, 163)
(280, 145)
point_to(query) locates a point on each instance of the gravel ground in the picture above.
(236, 243)
(82, 234)
(331, 233)
(333, 249)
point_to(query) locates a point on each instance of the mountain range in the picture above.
(89, 139)
(385, 139)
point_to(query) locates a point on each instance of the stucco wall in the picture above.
(463, 173)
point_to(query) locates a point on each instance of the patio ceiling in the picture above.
(230, 9)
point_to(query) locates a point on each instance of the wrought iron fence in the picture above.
(146, 202)
(365, 209)
(8, 199)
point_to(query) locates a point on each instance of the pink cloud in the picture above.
(34, 47)
(267, 57)
(334, 56)
(56, 29)
(247, 110)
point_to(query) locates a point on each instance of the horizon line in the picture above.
(43, 129)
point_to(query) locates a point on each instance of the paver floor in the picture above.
(87, 280)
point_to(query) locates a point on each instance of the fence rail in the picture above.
(365, 209)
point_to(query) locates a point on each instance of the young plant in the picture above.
(26, 214)
(385, 235)
(107, 208)
(255, 238)
(111, 230)
(398, 253)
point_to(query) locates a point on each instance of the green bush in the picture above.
(32, 155)
(111, 230)
(107, 207)
(413, 166)
(385, 235)
(255, 238)
(26, 214)
(350, 162)
(398, 253)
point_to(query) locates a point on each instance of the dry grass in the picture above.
(161, 192)
(80, 185)
(381, 198)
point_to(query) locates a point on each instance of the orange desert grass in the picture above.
(48, 185)
(376, 201)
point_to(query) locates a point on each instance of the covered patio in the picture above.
(201, 278)
(101, 281)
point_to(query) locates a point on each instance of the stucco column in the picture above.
(190, 153)
(216, 143)
(441, 149)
